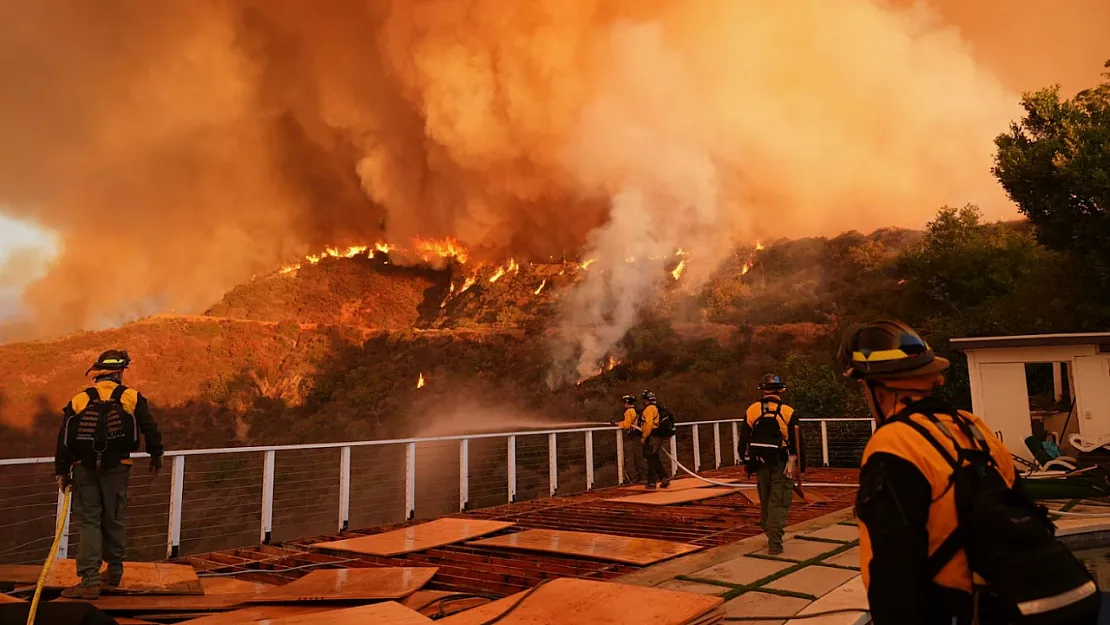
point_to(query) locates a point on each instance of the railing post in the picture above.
(825, 442)
(589, 460)
(410, 481)
(552, 464)
(62, 512)
(344, 488)
(716, 445)
(871, 422)
(464, 474)
(697, 449)
(267, 498)
(674, 456)
(735, 444)
(620, 458)
(177, 488)
(512, 467)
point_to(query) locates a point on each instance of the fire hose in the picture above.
(63, 518)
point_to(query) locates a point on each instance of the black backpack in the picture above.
(666, 427)
(1009, 540)
(766, 443)
(103, 433)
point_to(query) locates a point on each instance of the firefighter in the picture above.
(100, 428)
(912, 556)
(653, 445)
(767, 445)
(633, 425)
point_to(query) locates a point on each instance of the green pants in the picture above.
(775, 493)
(100, 501)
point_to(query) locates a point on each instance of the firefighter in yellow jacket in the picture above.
(912, 552)
(653, 445)
(633, 425)
(767, 444)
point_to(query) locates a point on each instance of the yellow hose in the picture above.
(49, 559)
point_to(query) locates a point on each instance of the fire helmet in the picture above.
(887, 349)
(111, 360)
(648, 396)
(771, 382)
(629, 399)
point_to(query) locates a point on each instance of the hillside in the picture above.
(334, 350)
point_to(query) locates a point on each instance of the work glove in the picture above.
(64, 482)
(155, 465)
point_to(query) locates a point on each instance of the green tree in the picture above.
(1055, 164)
(816, 390)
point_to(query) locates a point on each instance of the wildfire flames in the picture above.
(611, 363)
(586, 265)
(751, 261)
(677, 273)
(420, 381)
(425, 248)
(540, 287)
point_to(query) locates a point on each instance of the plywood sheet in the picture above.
(640, 551)
(416, 538)
(138, 577)
(584, 602)
(132, 621)
(668, 497)
(685, 483)
(6, 599)
(389, 612)
(149, 604)
(231, 586)
(811, 496)
(256, 614)
(350, 584)
(434, 603)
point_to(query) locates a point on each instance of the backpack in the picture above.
(666, 428)
(1009, 540)
(103, 433)
(766, 443)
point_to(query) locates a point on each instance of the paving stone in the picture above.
(799, 550)
(742, 570)
(842, 533)
(850, 595)
(813, 580)
(764, 604)
(848, 558)
(694, 587)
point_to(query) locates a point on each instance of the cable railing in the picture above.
(219, 499)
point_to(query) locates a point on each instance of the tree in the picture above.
(1055, 164)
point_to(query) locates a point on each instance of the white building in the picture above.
(997, 367)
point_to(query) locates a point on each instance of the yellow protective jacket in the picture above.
(649, 419)
(133, 403)
(631, 419)
(787, 420)
(907, 510)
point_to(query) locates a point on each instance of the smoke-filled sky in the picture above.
(176, 148)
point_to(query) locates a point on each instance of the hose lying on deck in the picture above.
(62, 519)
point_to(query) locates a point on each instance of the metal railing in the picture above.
(214, 497)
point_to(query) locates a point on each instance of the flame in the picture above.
(497, 274)
(469, 282)
(290, 268)
(677, 273)
(611, 364)
(420, 381)
(630, 259)
(746, 268)
(758, 246)
(513, 266)
(447, 248)
(540, 287)
(313, 258)
(586, 265)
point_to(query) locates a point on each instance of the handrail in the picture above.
(582, 455)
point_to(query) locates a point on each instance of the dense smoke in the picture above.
(179, 147)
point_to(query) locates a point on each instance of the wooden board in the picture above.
(416, 538)
(685, 483)
(386, 613)
(229, 585)
(640, 551)
(811, 496)
(149, 604)
(138, 577)
(432, 603)
(350, 584)
(6, 599)
(584, 602)
(668, 497)
(131, 621)
(255, 614)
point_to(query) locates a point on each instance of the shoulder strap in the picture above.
(117, 393)
(92, 394)
(927, 435)
(944, 553)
